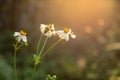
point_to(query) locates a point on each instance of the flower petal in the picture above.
(48, 34)
(42, 26)
(52, 27)
(69, 31)
(73, 36)
(66, 36)
(59, 32)
(19, 38)
(62, 35)
(54, 33)
(24, 38)
(16, 34)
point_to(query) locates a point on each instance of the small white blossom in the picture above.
(47, 30)
(65, 34)
(20, 36)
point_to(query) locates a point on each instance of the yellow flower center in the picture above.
(48, 27)
(23, 33)
(66, 30)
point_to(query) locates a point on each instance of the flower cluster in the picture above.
(49, 30)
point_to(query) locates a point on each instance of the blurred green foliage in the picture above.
(49, 77)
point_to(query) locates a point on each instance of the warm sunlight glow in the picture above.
(76, 13)
(101, 22)
(88, 29)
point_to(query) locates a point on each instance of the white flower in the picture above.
(47, 30)
(20, 36)
(65, 34)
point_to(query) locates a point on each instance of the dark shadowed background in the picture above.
(93, 55)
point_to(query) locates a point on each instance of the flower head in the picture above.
(65, 34)
(21, 36)
(47, 30)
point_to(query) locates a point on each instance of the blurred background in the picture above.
(93, 55)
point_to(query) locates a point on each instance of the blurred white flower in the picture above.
(65, 34)
(47, 30)
(21, 36)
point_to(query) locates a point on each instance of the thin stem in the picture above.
(37, 50)
(19, 47)
(51, 48)
(15, 51)
(33, 71)
(43, 46)
(38, 46)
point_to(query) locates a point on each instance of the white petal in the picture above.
(66, 37)
(62, 35)
(73, 36)
(42, 28)
(16, 34)
(48, 34)
(24, 38)
(54, 32)
(59, 32)
(19, 38)
(69, 31)
(52, 27)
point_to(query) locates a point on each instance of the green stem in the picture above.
(38, 46)
(15, 51)
(18, 47)
(33, 71)
(43, 46)
(51, 48)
